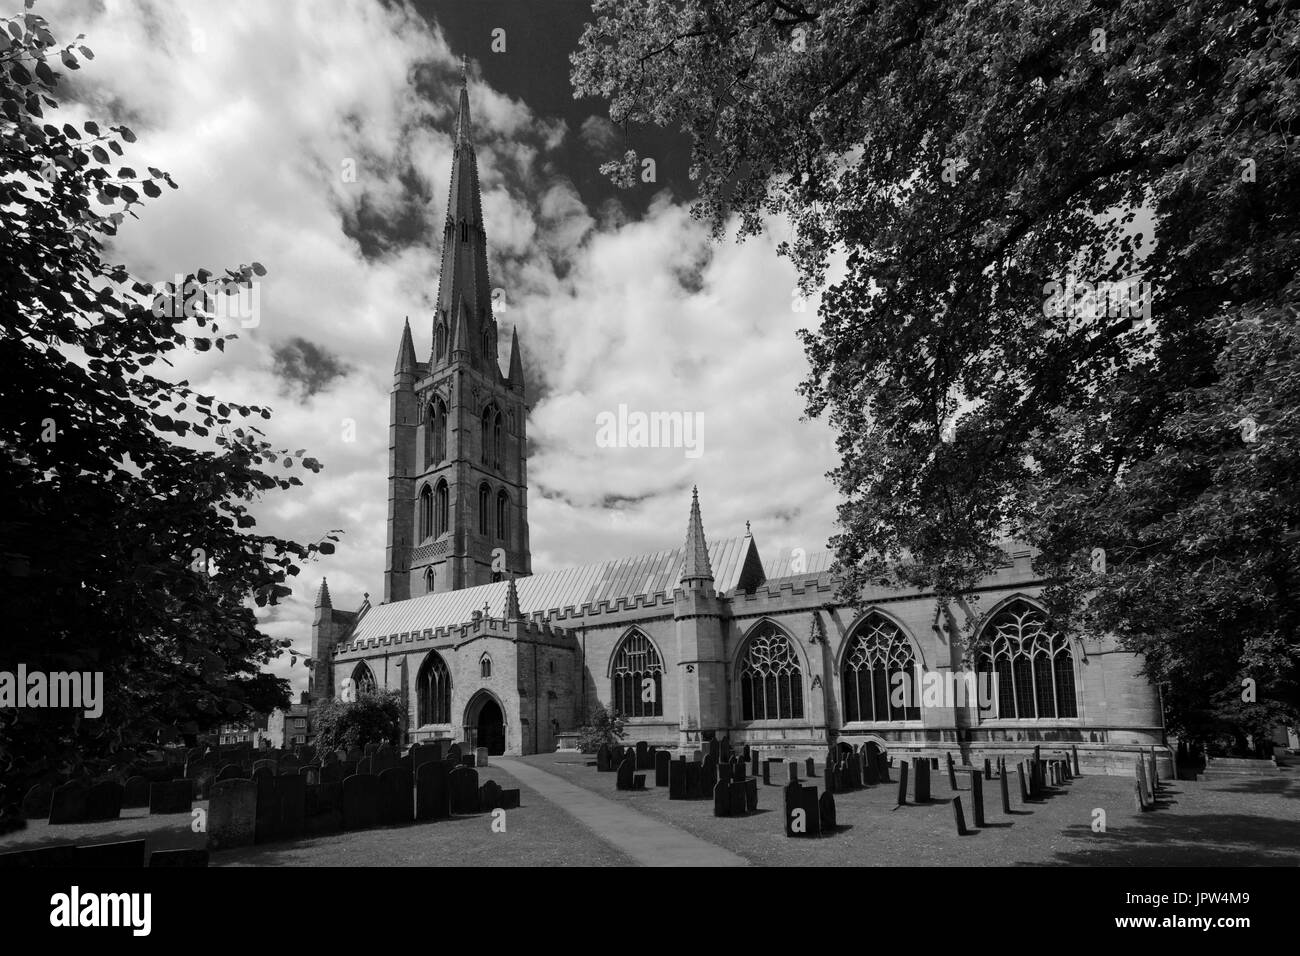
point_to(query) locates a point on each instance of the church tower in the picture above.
(458, 482)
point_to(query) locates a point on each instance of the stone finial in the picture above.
(323, 595)
(696, 566)
(512, 601)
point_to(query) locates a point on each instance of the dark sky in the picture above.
(540, 36)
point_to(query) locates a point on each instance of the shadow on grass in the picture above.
(1182, 840)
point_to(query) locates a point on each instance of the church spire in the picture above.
(512, 601)
(405, 352)
(323, 595)
(516, 376)
(696, 566)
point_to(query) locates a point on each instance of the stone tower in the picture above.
(457, 479)
(701, 658)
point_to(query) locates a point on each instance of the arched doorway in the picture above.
(485, 724)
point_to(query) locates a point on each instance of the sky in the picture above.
(315, 138)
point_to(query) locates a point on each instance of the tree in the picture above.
(126, 534)
(372, 718)
(1070, 238)
(602, 727)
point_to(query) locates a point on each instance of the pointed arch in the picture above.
(433, 691)
(440, 338)
(485, 665)
(430, 579)
(503, 516)
(1032, 661)
(437, 435)
(485, 433)
(880, 663)
(363, 678)
(484, 509)
(441, 508)
(426, 512)
(636, 671)
(770, 674)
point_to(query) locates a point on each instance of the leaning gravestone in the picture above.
(958, 817)
(643, 756)
(432, 798)
(988, 769)
(902, 783)
(36, 802)
(104, 801)
(751, 795)
(481, 757)
(1024, 788)
(603, 759)
(802, 811)
(175, 796)
(324, 808)
(721, 799)
(291, 805)
(827, 809)
(395, 801)
(360, 802)
(977, 797)
(492, 797)
(952, 773)
(791, 772)
(68, 803)
(310, 773)
(1006, 797)
(136, 792)
(921, 767)
(662, 762)
(510, 799)
(462, 785)
(365, 766)
(266, 819)
(626, 770)
(709, 772)
(263, 764)
(229, 772)
(870, 768)
(453, 753)
(232, 814)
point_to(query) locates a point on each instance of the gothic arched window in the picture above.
(440, 509)
(878, 661)
(771, 682)
(497, 425)
(430, 577)
(437, 431)
(486, 434)
(484, 509)
(426, 512)
(433, 691)
(440, 340)
(363, 679)
(485, 666)
(637, 673)
(1033, 664)
(503, 516)
(488, 351)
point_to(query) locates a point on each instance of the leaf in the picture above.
(69, 60)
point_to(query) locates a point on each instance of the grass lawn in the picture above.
(1251, 822)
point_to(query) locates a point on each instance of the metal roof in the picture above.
(554, 590)
(814, 563)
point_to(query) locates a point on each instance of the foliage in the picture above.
(370, 719)
(603, 727)
(960, 158)
(126, 545)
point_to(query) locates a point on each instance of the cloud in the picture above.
(316, 139)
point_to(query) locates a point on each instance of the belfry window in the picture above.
(637, 676)
(503, 516)
(426, 512)
(440, 510)
(771, 682)
(1033, 664)
(484, 509)
(437, 432)
(880, 661)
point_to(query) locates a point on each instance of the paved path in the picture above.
(646, 840)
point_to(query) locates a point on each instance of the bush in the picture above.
(370, 719)
(602, 727)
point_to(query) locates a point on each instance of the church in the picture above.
(703, 639)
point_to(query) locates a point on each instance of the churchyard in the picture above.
(434, 806)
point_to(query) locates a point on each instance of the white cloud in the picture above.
(255, 127)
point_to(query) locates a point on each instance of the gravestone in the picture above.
(643, 756)
(510, 799)
(369, 749)
(423, 754)
(291, 806)
(828, 780)
(988, 769)
(751, 795)
(902, 783)
(263, 764)
(952, 773)
(481, 757)
(616, 755)
(810, 767)
(1074, 753)
(721, 799)
(174, 858)
(462, 786)
(698, 756)
(724, 774)
(1138, 803)
(791, 772)
(360, 802)
(384, 758)
(267, 818)
(36, 802)
(365, 767)
(709, 772)
(767, 773)
(677, 779)
(1155, 773)
(662, 763)
(201, 777)
(136, 792)
(737, 768)
(432, 794)
(453, 753)
(958, 817)
(347, 768)
(311, 774)
(921, 789)
(174, 796)
(353, 755)
(128, 854)
(232, 814)
(695, 782)
(827, 808)
(802, 813)
(870, 769)
(490, 796)
(852, 772)
(331, 773)
(288, 764)
(736, 798)
(883, 762)
(725, 751)
(395, 799)
(626, 770)
(603, 759)
(977, 797)
(68, 803)
(712, 747)
(1006, 797)
(1024, 788)
(1142, 781)
(104, 801)
(746, 754)
(230, 771)
(753, 762)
